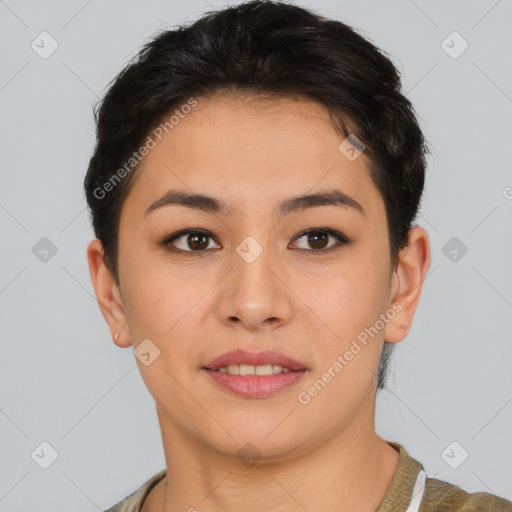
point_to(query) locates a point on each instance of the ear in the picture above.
(407, 282)
(108, 294)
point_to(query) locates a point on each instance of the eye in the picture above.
(197, 240)
(189, 240)
(318, 238)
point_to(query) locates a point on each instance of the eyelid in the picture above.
(324, 229)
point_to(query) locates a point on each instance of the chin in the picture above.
(260, 440)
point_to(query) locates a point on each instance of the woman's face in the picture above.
(253, 282)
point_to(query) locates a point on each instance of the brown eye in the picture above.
(317, 240)
(196, 240)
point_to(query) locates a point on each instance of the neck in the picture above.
(349, 471)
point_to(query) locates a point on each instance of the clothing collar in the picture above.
(397, 499)
(402, 489)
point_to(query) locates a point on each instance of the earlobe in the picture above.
(107, 294)
(414, 262)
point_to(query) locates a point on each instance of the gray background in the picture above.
(63, 381)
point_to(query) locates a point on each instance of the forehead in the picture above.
(251, 151)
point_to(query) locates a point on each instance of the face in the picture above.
(251, 280)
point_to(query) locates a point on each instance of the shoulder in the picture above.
(134, 502)
(445, 497)
(410, 490)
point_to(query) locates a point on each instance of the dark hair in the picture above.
(261, 48)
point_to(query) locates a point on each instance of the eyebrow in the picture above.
(211, 204)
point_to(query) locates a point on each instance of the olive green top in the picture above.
(410, 491)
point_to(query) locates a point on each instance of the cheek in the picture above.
(155, 297)
(172, 306)
(352, 297)
(349, 349)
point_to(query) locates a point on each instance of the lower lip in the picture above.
(251, 386)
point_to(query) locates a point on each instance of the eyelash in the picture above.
(340, 237)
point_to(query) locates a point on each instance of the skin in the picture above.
(324, 455)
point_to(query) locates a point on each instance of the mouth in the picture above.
(260, 370)
(254, 374)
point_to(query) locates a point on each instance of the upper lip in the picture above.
(254, 359)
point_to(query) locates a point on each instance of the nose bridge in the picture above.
(255, 293)
(252, 259)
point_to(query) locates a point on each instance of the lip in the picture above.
(252, 386)
(254, 359)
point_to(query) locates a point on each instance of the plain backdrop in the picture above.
(64, 382)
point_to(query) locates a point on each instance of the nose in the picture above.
(254, 294)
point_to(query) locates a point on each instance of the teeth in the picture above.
(246, 369)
